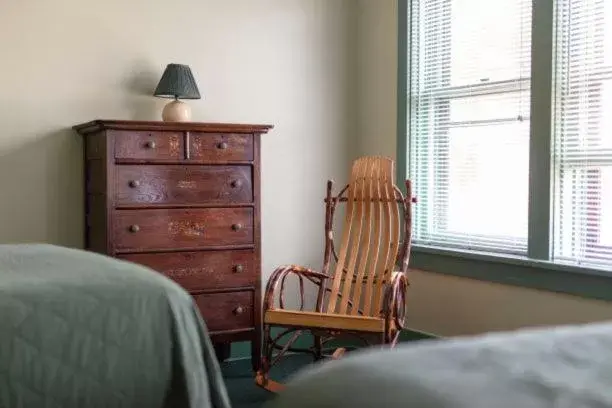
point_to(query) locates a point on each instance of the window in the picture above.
(470, 91)
(470, 98)
(583, 134)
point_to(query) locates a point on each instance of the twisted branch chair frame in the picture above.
(371, 252)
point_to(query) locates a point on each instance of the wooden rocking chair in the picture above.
(365, 295)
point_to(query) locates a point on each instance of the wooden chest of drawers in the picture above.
(182, 199)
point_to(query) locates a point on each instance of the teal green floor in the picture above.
(240, 382)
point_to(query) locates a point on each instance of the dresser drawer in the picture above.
(144, 230)
(202, 270)
(213, 147)
(176, 185)
(148, 146)
(227, 310)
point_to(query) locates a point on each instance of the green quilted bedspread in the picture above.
(78, 329)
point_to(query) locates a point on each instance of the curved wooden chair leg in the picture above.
(264, 381)
(338, 353)
(262, 376)
(393, 338)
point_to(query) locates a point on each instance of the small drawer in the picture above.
(227, 310)
(148, 146)
(202, 270)
(219, 147)
(177, 185)
(157, 229)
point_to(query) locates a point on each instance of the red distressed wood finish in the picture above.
(201, 270)
(227, 312)
(220, 147)
(158, 230)
(184, 200)
(153, 145)
(183, 185)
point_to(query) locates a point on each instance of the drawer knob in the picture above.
(239, 310)
(222, 145)
(238, 269)
(134, 228)
(236, 227)
(235, 183)
(134, 183)
(150, 144)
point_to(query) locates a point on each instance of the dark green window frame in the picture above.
(534, 270)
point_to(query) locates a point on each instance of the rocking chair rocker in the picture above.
(365, 296)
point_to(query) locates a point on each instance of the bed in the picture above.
(561, 367)
(79, 329)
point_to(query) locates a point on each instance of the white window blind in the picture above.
(583, 133)
(469, 122)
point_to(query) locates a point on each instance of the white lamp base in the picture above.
(176, 111)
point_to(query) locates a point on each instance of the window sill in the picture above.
(515, 270)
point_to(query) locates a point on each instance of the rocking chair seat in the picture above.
(324, 320)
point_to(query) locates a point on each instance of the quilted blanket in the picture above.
(560, 367)
(78, 329)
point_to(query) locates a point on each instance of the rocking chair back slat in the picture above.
(369, 245)
(368, 238)
(361, 235)
(385, 269)
(373, 259)
(351, 203)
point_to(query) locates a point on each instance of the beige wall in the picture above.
(442, 304)
(283, 62)
(322, 71)
(376, 77)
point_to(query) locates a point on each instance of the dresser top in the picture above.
(102, 124)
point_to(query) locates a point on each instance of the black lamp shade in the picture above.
(177, 82)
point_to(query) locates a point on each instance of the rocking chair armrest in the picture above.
(281, 273)
(394, 301)
(285, 270)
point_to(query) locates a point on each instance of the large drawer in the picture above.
(176, 185)
(226, 310)
(220, 147)
(163, 229)
(153, 146)
(204, 269)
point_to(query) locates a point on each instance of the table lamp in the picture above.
(177, 82)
